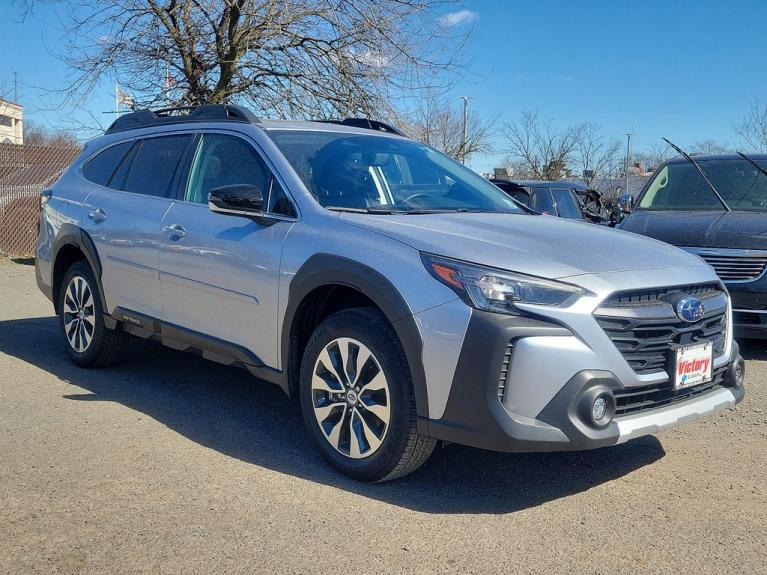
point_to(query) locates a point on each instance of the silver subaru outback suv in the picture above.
(401, 298)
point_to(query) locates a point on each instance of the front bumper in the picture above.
(498, 400)
(749, 303)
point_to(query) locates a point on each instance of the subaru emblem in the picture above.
(690, 309)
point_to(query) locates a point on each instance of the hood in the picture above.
(543, 246)
(739, 230)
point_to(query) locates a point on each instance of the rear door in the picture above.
(220, 273)
(124, 216)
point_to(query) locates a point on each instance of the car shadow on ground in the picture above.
(227, 410)
(755, 349)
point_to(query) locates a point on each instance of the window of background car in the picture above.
(100, 168)
(543, 202)
(567, 205)
(679, 186)
(343, 170)
(155, 164)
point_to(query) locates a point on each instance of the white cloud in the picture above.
(452, 19)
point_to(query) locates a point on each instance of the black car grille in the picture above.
(635, 399)
(645, 328)
(731, 267)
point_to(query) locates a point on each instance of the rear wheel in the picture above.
(81, 318)
(357, 398)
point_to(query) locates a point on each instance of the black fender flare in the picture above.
(327, 269)
(72, 235)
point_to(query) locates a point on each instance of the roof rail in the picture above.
(182, 114)
(365, 123)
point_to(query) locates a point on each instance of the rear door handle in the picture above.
(97, 215)
(174, 231)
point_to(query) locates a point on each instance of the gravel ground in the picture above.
(170, 464)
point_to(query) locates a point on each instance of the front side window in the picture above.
(155, 165)
(369, 173)
(543, 202)
(679, 186)
(100, 168)
(567, 205)
(223, 160)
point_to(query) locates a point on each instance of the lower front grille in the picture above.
(637, 399)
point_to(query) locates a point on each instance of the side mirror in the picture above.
(616, 217)
(626, 203)
(238, 200)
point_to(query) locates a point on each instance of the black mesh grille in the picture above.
(636, 399)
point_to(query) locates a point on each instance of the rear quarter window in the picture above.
(100, 168)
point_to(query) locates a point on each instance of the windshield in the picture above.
(382, 174)
(567, 206)
(680, 187)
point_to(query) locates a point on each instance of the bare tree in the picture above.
(752, 129)
(652, 157)
(295, 58)
(709, 147)
(541, 149)
(595, 155)
(439, 123)
(37, 135)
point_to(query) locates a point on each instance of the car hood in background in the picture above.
(544, 246)
(740, 230)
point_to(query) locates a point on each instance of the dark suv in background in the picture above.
(564, 199)
(716, 207)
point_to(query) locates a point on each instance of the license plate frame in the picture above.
(693, 365)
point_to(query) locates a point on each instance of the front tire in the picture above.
(81, 319)
(357, 398)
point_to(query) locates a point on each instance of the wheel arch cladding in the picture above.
(73, 244)
(319, 276)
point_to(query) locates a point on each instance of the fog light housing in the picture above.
(737, 373)
(596, 406)
(599, 410)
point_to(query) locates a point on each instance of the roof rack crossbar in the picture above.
(163, 116)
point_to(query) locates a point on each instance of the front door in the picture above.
(219, 273)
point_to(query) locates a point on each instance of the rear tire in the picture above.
(81, 319)
(357, 398)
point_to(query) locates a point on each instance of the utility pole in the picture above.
(15, 87)
(628, 160)
(465, 120)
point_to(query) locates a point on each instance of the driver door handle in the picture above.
(97, 215)
(174, 231)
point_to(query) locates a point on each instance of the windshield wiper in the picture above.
(381, 211)
(753, 163)
(689, 158)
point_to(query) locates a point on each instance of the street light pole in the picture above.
(628, 159)
(465, 120)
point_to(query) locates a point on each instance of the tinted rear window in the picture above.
(101, 167)
(155, 165)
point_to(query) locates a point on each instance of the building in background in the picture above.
(11, 123)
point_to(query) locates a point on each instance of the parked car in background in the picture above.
(564, 199)
(724, 222)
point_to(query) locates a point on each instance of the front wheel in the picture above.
(357, 398)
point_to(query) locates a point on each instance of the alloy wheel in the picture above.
(350, 397)
(79, 314)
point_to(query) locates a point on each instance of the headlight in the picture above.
(497, 290)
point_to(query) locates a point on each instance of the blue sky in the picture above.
(681, 69)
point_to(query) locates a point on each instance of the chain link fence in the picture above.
(25, 171)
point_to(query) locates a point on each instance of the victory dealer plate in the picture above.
(693, 365)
